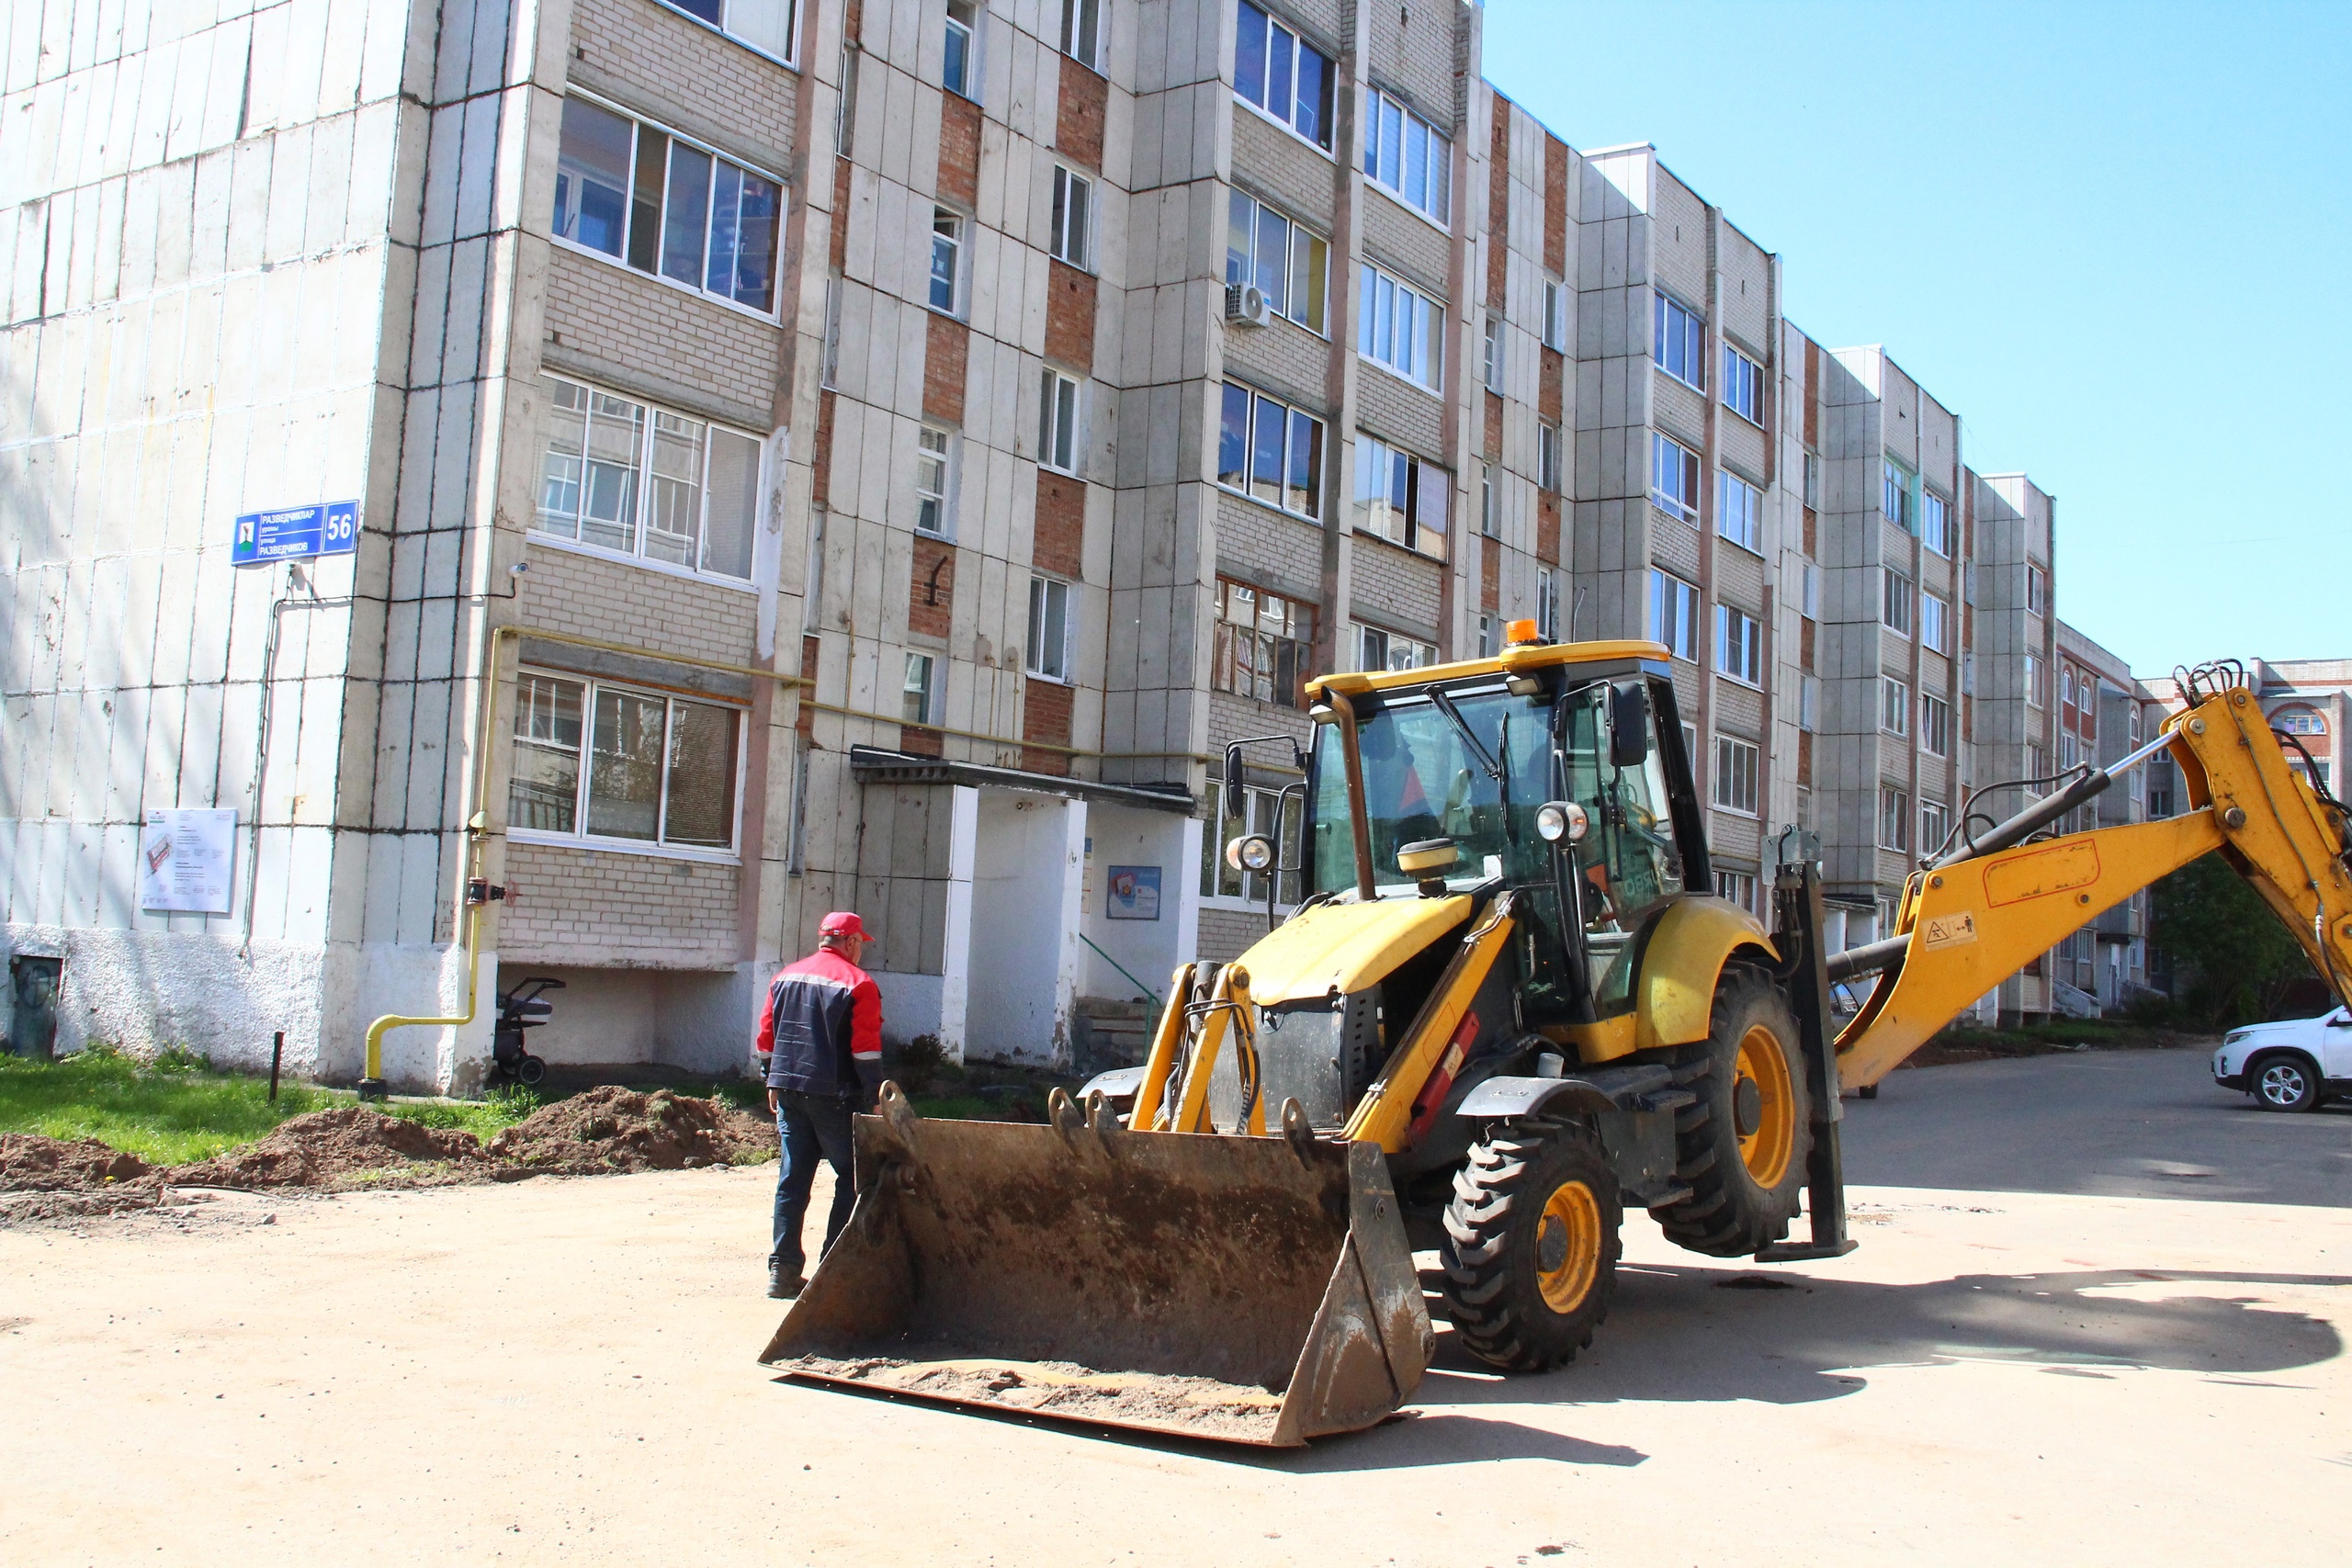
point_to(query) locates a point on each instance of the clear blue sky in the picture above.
(2113, 238)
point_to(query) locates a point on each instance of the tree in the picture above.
(2239, 959)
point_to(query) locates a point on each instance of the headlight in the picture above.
(1252, 852)
(2233, 1037)
(1559, 819)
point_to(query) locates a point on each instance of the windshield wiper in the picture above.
(1487, 762)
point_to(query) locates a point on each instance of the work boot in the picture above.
(783, 1285)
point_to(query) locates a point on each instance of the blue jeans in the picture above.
(811, 1127)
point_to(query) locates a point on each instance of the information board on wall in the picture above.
(185, 859)
(293, 532)
(1134, 893)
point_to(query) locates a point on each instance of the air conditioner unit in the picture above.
(1245, 305)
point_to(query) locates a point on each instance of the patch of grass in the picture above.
(170, 1112)
(485, 1119)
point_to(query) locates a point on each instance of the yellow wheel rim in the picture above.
(1766, 1150)
(1567, 1247)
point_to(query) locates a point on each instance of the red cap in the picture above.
(843, 923)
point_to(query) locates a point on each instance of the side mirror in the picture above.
(1233, 795)
(1629, 727)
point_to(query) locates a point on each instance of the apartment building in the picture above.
(2100, 720)
(2308, 699)
(768, 455)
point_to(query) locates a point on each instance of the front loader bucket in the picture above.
(1250, 1290)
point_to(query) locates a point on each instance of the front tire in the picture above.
(1742, 1145)
(1532, 1244)
(530, 1072)
(2284, 1082)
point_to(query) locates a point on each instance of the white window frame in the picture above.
(1737, 887)
(1813, 481)
(1489, 644)
(1738, 767)
(968, 26)
(658, 846)
(926, 666)
(1674, 615)
(1672, 322)
(1895, 486)
(1739, 511)
(1935, 622)
(1305, 295)
(1936, 523)
(1248, 16)
(1744, 386)
(1296, 423)
(1489, 526)
(1491, 366)
(787, 55)
(1935, 725)
(1688, 469)
(2037, 589)
(1809, 704)
(947, 228)
(1547, 603)
(1081, 36)
(1555, 315)
(643, 483)
(1739, 646)
(1376, 513)
(1422, 340)
(1548, 462)
(1894, 817)
(1896, 602)
(1384, 112)
(2037, 681)
(1062, 420)
(639, 125)
(1044, 655)
(935, 445)
(1377, 649)
(1894, 706)
(1070, 235)
(1935, 825)
(1258, 814)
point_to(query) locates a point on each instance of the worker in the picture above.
(821, 1032)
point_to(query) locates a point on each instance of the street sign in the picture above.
(324, 528)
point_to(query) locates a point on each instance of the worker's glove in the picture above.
(869, 1085)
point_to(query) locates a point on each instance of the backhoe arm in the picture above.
(1970, 920)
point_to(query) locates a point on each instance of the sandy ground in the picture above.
(562, 1372)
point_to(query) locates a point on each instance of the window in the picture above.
(1675, 339)
(1287, 262)
(2070, 751)
(931, 479)
(1277, 71)
(1935, 623)
(1895, 495)
(1487, 522)
(1548, 456)
(917, 690)
(1893, 705)
(1547, 603)
(2037, 681)
(1491, 368)
(1896, 602)
(2290, 721)
(772, 26)
(1488, 645)
(1740, 887)
(1555, 315)
(1377, 649)
(601, 762)
(1935, 523)
(1739, 511)
(1809, 704)
(1408, 155)
(1674, 476)
(1736, 762)
(1257, 815)
(2037, 589)
(624, 476)
(1893, 817)
(1813, 480)
(1739, 645)
(1402, 329)
(2037, 762)
(1674, 613)
(1264, 643)
(1057, 421)
(1081, 36)
(961, 74)
(1270, 451)
(1048, 629)
(664, 206)
(1401, 498)
(946, 260)
(1073, 213)
(1935, 826)
(1812, 592)
(1742, 386)
(830, 373)
(1935, 725)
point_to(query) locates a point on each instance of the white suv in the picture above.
(2291, 1066)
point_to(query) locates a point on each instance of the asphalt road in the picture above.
(2116, 1124)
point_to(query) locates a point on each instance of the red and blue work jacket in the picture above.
(823, 1021)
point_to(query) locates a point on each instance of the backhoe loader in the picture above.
(1506, 1005)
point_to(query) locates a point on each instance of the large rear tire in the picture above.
(1741, 1146)
(1531, 1245)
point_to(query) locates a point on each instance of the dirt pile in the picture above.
(347, 1148)
(611, 1129)
(30, 1163)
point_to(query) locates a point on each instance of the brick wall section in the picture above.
(675, 70)
(591, 906)
(1069, 318)
(1396, 588)
(1044, 716)
(1547, 526)
(821, 454)
(838, 252)
(623, 318)
(944, 368)
(1498, 206)
(1078, 123)
(1490, 435)
(959, 151)
(1060, 544)
(616, 601)
(1550, 381)
(1555, 206)
(1490, 576)
(917, 742)
(930, 596)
